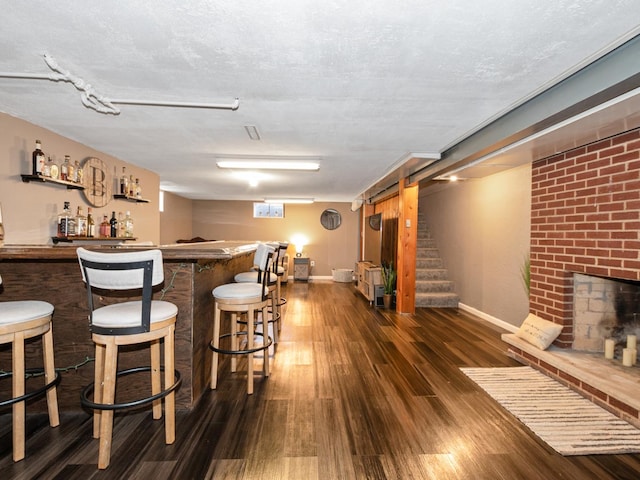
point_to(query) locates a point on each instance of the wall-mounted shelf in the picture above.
(38, 178)
(130, 199)
(57, 240)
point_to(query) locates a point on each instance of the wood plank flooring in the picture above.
(355, 392)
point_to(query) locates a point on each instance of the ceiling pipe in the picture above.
(100, 103)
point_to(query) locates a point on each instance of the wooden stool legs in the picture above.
(105, 384)
(234, 309)
(18, 384)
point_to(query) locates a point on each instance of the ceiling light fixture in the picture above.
(268, 164)
(288, 200)
(252, 131)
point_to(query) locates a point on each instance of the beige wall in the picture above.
(233, 220)
(29, 209)
(482, 228)
(176, 220)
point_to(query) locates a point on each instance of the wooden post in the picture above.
(407, 244)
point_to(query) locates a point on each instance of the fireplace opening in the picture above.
(604, 308)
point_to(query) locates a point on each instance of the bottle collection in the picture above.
(67, 171)
(128, 186)
(79, 225)
(76, 224)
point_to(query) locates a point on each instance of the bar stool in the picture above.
(20, 320)
(281, 271)
(239, 298)
(129, 321)
(273, 284)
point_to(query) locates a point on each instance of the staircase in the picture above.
(433, 288)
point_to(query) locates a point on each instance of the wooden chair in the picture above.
(132, 320)
(20, 320)
(239, 298)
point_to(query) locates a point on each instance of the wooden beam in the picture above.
(407, 244)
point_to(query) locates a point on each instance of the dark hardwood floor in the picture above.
(355, 392)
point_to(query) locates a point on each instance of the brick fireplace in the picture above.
(585, 220)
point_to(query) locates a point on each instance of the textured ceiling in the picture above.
(361, 85)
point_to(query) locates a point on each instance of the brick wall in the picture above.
(585, 218)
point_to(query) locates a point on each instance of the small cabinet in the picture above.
(301, 268)
(369, 277)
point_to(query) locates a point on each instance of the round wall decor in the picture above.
(97, 182)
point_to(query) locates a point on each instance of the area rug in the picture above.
(566, 421)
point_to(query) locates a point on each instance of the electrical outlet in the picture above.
(313, 263)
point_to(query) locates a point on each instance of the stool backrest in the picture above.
(262, 260)
(282, 251)
(131, 271)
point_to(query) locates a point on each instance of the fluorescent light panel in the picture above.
(268, 164)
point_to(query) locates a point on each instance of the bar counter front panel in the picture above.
(52, 274)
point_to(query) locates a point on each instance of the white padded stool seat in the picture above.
(252, 276)
(127, 314)
(22, 311)
(243, 291)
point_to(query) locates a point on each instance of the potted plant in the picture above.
(389, 283)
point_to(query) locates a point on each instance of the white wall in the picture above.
(482, 228)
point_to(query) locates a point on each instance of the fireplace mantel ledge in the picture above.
(608, 376)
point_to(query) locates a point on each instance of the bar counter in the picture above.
(52, 274)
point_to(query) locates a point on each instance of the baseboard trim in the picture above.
(488, 318)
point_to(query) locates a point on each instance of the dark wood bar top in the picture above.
(222, 249)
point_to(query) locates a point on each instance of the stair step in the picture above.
(434, 286)
(431, 274)
(426, 243)
(429, 263)
(427, 252)
(437, 300)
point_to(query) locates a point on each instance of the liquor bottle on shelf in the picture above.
(138, 189)
(81, 223)
(78, 172)
(128, 225)
(104, 227)
(54, 170)
(120, 225)
(46, 170)
(66, 224)
(37, 159)
(124, 182)
(64, 169)
(91, 224)
(113, 225)
(71, 172)
(132, 187)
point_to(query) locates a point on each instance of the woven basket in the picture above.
(342, 275)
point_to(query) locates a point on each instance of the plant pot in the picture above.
(387, 298)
